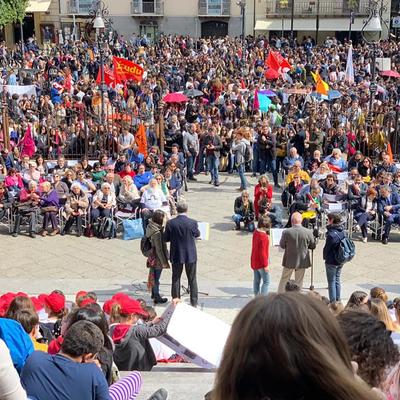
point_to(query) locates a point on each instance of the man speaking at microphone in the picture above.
(296, 241)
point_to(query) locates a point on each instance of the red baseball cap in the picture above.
(86, 302)
(131, 306)
(37, 303)
(55, 301)
(115, 299)
(81, 293)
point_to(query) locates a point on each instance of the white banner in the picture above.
(30, 90)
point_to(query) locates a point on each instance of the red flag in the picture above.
(109, 78)
(242, 84)
(141, 140)
(272, 62)
(256, 104)
(125, 70)
(283, 63)
(271, 74)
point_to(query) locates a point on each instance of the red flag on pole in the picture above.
(283, 63)
(109, 78)
(272, 62)
(125, 70)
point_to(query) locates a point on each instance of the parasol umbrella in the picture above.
(193, 93)
(334, 94)
(175, 98)
(268, 92)
(390, 74)
(271, 74)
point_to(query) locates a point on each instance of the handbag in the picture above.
(48, 209)
(133, 229)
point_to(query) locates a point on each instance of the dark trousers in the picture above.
(70, 222)
(190, 269)
(50, 216)
(100, 212)
(362, 219)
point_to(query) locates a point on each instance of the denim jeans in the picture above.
(190, 164)
(256, 158)
(212, 166)
(237, 219)
(260, 274)
(333, 276)
(271, 165)
(156, 288)
(243, 181)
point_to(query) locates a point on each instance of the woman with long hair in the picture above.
(277, 349)
(379, 310)
(358, 301)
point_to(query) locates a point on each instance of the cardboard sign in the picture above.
(196, 336)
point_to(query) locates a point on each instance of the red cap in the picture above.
(22, 294)
(131, 306)
(86, 302)
(55, 301)
(37, 303)
(81, 293)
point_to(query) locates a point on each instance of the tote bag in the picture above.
(133, 229)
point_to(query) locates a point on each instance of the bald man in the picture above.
(296, 241)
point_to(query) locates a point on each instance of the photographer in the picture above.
(244, 212)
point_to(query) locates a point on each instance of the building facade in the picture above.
(316, 18)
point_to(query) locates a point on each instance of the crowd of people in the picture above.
(72, 156)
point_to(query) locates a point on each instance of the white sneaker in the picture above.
(365, 240)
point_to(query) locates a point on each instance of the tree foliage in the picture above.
(12, 11)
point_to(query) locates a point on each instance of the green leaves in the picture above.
(12, 11)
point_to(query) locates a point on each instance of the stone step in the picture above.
(182, 381)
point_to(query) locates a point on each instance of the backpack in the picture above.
(145, 246)
(105, 228)
(345, 251)
(248, 154)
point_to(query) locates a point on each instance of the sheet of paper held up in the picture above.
(195, 335)
(204, 228)
(276, 235)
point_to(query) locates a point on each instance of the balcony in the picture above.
(214, 8)
(80, 7)
(327, 8)
(147, 7)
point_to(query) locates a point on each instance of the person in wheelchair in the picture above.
(388, 209)
(365, 211)
(103, 202)
(6, 200)
(128, 195)
(75, 209)
(356, 191)
(309, 205)
(329, 185)
(49, 205)
(244, 212)
(173, 180)
(27, 207)
(296, 185)
(296, 170)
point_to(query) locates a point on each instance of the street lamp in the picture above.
(100, 23)
(242, 5)
(372, 24)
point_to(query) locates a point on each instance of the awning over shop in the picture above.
(262, 25)
(38, 5)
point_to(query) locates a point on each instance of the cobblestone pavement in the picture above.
(225, 278)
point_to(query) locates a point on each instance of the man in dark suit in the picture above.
(388, 209)
(296, 241)
(182, 233)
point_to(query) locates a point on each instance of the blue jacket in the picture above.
(333, 237)
(392, 200)
(17, 340)
(142, 180)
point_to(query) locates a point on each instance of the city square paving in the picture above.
(225, 279)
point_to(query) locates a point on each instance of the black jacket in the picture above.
(333, 237)
(240, 210)
(182, 233)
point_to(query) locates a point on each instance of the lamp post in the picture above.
(372, 24)
(242, 5)
(100, 22)
(292, 22)
(351, 23)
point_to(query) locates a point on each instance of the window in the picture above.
(214, 7)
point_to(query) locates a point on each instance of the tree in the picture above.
(12, 11)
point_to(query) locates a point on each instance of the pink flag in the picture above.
(256, 104)
(27, 144)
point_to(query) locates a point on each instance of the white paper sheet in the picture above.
(204, 228)
(276, 235)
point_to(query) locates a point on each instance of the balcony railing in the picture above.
(79, 6)
(214, 8)
(148, 7)
(328, 8)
